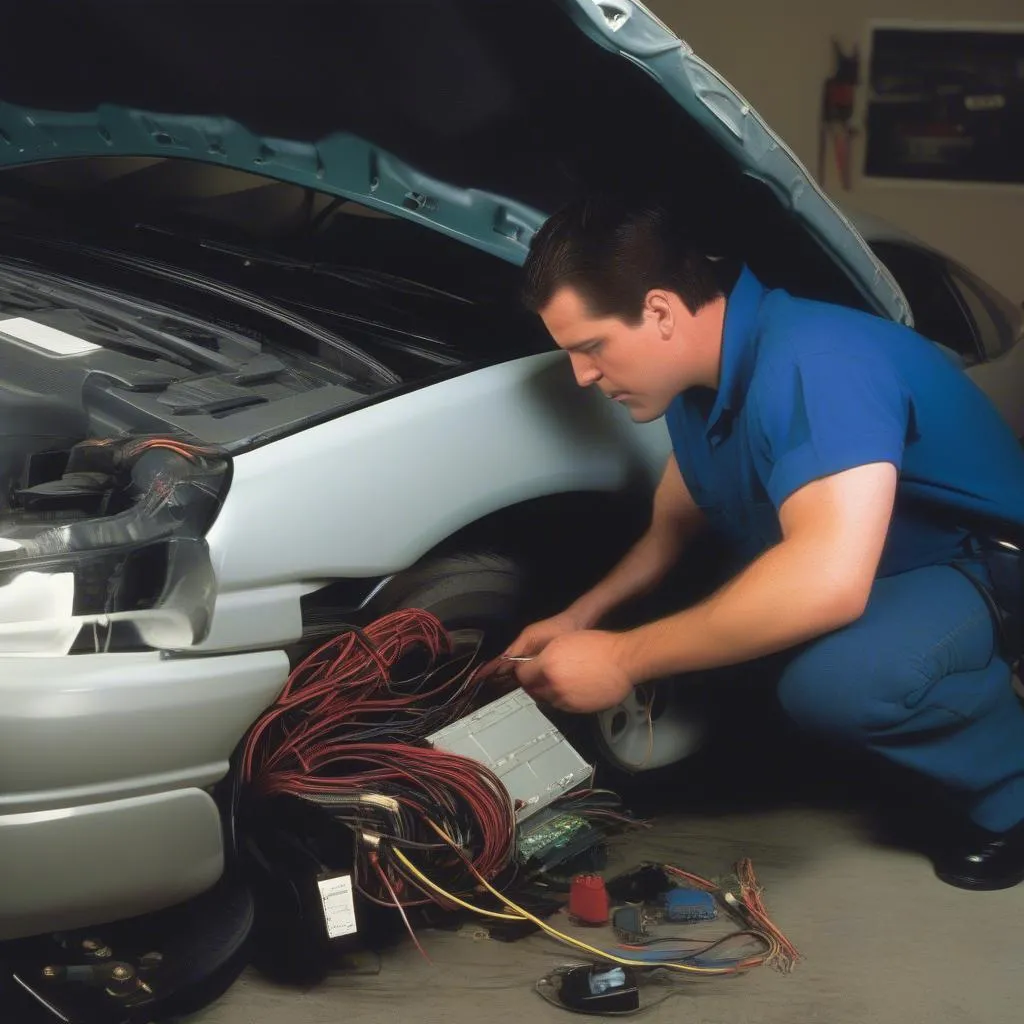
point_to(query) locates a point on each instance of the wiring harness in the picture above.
(743, 900)
(347, 735)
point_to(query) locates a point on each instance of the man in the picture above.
(852, 466)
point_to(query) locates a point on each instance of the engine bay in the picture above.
(85, 362)
(109, 532)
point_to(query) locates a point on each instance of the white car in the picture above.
(264, 372)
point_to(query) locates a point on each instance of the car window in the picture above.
(939, 311)
(996, 319)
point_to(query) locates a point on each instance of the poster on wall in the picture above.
(945, 103)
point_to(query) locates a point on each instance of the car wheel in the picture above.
(482, 590)
(657, 726)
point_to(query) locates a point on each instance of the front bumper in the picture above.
(105, 762)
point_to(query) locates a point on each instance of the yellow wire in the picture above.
(394, 851)
(525, 915)
(603, 954)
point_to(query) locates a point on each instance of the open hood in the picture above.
(475, 118)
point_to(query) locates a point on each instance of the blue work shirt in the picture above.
(809, 389)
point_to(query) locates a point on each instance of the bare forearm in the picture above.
(782, 599)
(642, 568)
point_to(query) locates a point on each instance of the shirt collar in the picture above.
(739, 351)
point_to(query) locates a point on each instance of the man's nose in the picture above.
(585, 371)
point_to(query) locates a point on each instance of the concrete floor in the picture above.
(882, 939)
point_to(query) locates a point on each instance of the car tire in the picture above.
(484, 590)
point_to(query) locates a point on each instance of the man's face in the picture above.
(642, 367)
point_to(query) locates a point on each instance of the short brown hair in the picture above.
(613, 251)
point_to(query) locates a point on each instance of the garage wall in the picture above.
(779, 53)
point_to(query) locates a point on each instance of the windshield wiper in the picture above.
(364, 367)
(361, 277)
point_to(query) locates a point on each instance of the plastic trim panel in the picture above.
(77, 866)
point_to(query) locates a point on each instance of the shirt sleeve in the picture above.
(823, 412)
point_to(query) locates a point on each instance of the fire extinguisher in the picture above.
(837, 106)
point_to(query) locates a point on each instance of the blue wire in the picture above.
(660, 956)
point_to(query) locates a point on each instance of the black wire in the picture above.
(705, 949)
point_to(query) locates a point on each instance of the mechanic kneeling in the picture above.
(840, 455)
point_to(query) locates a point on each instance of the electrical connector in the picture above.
(389, 803)
(630, 922)
(588, 900)
(681, 905)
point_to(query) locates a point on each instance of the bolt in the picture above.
(122, 972)
(51, 972)
(96, 949)
(151, 960)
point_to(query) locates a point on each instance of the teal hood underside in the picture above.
(475, 119)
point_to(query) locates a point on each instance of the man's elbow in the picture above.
(845, 603)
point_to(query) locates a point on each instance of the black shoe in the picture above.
(981, 860)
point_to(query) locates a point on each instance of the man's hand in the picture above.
(578, 671)
(537, 636)
(675, 517)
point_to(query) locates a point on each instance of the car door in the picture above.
(1000, 334)
(957, 309)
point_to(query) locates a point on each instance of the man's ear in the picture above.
(658, 310)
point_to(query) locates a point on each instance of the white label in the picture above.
(339, 907)
(46, 339)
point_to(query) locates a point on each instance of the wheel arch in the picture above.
(584, 533)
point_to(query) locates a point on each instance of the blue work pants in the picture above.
(918, 679)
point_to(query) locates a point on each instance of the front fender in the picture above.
(368, 493)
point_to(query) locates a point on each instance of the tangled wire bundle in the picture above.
(347, 733)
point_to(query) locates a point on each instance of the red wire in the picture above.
(751, 894)
(374, 860)
(702, 883)
(309, 742)
(751, 897)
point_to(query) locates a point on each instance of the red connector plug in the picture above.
(588, 900)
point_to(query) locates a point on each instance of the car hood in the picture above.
(476, 119)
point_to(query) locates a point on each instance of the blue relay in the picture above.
(689, 905)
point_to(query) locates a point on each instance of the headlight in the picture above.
(119, 535)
